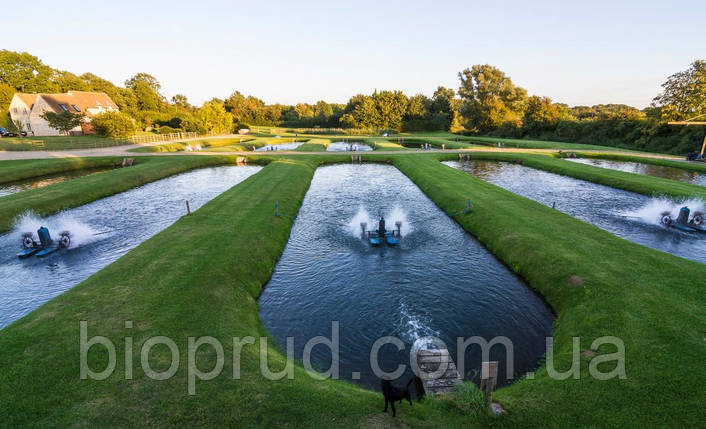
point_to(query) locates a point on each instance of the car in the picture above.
(4, 132)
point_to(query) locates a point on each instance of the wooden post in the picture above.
(188, 209)
(488, 378)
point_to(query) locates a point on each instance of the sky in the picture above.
(579, 53)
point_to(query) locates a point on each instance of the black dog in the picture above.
(393, 394)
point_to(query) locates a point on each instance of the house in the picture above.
(27, 109)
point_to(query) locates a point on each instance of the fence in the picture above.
(159, 138)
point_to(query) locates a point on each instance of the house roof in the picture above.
(27, 99)
(81, 99)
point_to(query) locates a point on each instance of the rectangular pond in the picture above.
(629, 215)
(439, 281)
(40, 182)
(102, 231)
(646, 169)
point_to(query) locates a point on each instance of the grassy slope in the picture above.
(697, 167)
(639, 183)
(539, 144)
(169, 286)
(652, 300)
(314, 145)
(12, 171)
(206, 144)
(75, 192)
(57, 143)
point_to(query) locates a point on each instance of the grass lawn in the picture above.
(539, 144)
(58, 143)
(653, 301)
(12, 171)
(696, 167)
(169, 286)
(60, 196)
(245, 143)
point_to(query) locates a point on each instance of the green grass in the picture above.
(696, 167)
(58, 143)
(653, 301)
(642, 184)
(12, 171)
(221, 144)
(170, 286)
(60, 196)
(539, 144)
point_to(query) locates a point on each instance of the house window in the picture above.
(75, 108)
(63, 107)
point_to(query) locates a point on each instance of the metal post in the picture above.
(188, 209)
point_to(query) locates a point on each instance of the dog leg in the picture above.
(394, 413)
(385, 410)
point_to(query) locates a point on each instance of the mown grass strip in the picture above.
(642, 184)
(696, 167)
(61, 196)
(13, 171)
(653, 301)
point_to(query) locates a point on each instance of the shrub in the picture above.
(114, 125)
(165, 129)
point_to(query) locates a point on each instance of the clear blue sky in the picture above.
(585, 52)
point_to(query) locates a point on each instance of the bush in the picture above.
(165, 129)
(114, 125)
(469, 399)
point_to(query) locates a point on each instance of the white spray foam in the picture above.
(413, 326)
(651, 213)
(397, 214)
(80, 232)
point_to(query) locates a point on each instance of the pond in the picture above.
(646, 169)
(632, 216)
(129, 218)
(40, 182)
(348, 147)
(279, 146)
(438, 282)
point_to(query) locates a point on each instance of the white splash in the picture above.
(80, 232)
(651, 213)
(413, 326)
(397, 214)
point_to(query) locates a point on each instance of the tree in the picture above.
(69, 81)
(212, 117)
(64, 121)
(114, 125)
(180, 100)
(6, 93)
(541, 115)
(145, 78)
(684, 94)
(491, 99)
(26, 73)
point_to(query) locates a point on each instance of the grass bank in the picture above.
(696, 167)
(60, 196)
(242, 144)
(651, 300)
(642, 184)
(12, 171)
(168, 286)
(539, 144)
(58, 143)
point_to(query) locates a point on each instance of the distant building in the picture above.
(27, 109)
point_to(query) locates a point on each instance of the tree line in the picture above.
(487, 102)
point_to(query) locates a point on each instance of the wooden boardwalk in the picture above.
(431, 362)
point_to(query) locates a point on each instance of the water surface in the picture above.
(40, 182)
(348, 147)
(132, 216)
(629, 215)
(646, 169)
(440, 281)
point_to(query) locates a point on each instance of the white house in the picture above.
(27, 110)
